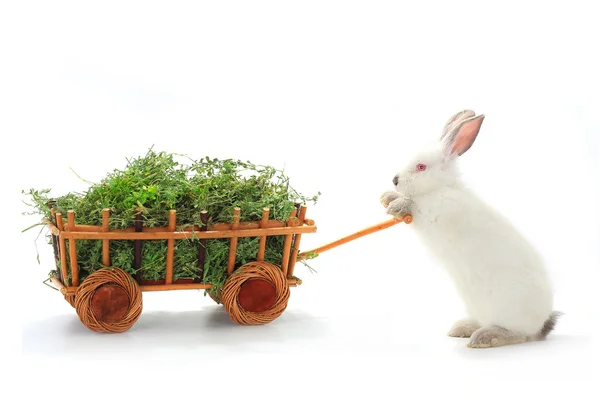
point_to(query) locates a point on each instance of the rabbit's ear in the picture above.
(455, 120)
(462, 136)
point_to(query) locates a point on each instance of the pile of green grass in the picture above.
(158, 183)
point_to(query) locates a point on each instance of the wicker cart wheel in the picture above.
(256, 293)
(109, 300)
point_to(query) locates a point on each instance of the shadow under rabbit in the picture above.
(551, 345)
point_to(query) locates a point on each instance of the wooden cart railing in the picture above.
(296, 225)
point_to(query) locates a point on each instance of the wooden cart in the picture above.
(110, 299)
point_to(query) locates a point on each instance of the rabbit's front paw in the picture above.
(388, 197)
(400, 207)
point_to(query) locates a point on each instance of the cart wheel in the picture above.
(256, 293)
(109, 300)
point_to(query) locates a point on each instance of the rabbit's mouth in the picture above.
(404, 187)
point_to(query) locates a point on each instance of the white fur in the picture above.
(498, 274)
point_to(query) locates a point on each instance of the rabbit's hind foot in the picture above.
(463, 328)
(494, 336)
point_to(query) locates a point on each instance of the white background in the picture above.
(337, 93)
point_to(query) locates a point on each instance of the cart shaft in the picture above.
(407, 219)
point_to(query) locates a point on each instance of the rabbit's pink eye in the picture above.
(421, 167)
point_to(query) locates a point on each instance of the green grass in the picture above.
(158, 183)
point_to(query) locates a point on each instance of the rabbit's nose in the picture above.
(395, 180)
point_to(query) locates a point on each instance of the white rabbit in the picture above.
(500, 277)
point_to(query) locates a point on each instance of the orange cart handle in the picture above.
(407, 219)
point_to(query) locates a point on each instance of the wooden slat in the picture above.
(73, 249)
(71, 220)
(236, 218)
(159, 288)
(302, 215)
(175, 286)
(211, 227)
(296, 245)
(202, 248)
(105, 242)
(248, 225)
(62, 247)
(185, 234)
(137, 246)
(293, 218)
(287, 244)
(233, 242)
(262, 244)
(55, 232)
(170, 249)
(87, 228)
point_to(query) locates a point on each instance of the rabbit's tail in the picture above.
(547, 327)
